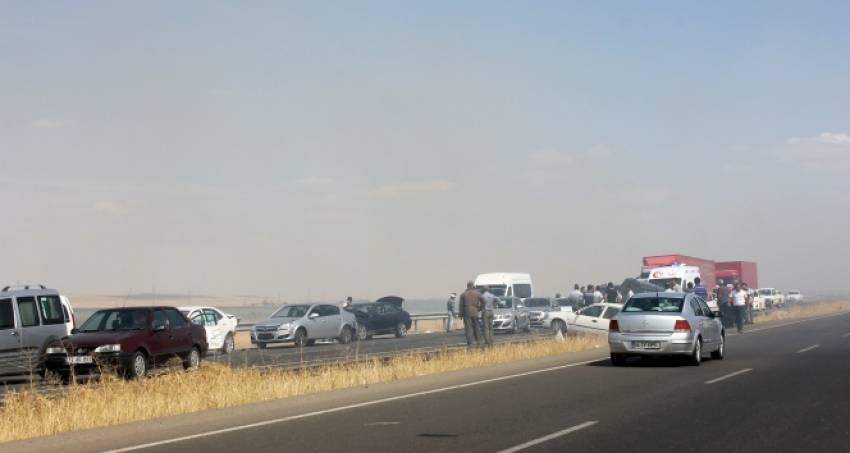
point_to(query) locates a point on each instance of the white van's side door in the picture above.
(10, 339)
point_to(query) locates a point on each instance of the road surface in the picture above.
(782, 388)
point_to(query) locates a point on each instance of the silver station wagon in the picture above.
(666, 324)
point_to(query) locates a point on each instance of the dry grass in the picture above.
(804, 311)
(114, 401)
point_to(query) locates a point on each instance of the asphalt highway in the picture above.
(782, 387)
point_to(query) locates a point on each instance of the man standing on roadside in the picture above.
(598, 297)
(700, 290)
(450, 312)
(576, 298)
(749, 317)
(612, 296)
(739, 304)
(487, 315)
(723, 304)
(471, 304)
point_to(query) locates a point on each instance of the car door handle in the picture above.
(593, 320)
(13, 333)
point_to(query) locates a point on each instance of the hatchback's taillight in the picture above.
(682, 326)
(613, 326)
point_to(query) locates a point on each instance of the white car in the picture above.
(593, 319)
(794, 297)
(220, 326)
(769, 298)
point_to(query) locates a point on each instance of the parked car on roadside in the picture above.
(303, 324)
(538, 308)
(794, 297)
(220, 326)
(593, 319)
(130, 340)
(31, 317)
(384, 316)
(653, 324)
(510, 315)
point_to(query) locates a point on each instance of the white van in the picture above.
(507, 284)
(30, 318)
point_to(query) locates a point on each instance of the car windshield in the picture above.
(504, 303)
(291, 311)
(537, 302)
(112, 320)
(657, 304)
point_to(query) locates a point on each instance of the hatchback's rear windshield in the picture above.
(656, 304)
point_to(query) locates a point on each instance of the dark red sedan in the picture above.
(129, 340)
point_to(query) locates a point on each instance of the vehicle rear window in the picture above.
(51, 309)
(28, 311)
(7, 314)
(537, 302)
(658, 304)
(611, 312)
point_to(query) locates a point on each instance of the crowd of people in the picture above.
(476, 305)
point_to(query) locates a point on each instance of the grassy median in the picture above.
(113, 401)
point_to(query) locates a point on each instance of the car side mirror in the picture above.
(313, 315)
(75, 330)
(520, 306)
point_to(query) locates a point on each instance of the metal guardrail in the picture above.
(245, 327)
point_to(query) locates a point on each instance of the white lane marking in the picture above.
(791, 323)
(730, 375)
(549, 437)
(350, 406)
(808, 349)
(381, 423)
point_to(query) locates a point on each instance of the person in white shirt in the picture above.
(598, 297)
(739, 304)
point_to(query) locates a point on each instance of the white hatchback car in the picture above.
(220, 326)
(593, 319)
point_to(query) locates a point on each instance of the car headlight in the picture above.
(108, 348)
(55, 350)
(284, 326)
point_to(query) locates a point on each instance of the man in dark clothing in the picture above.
(588, 295)
(723, 293)
(471, 304)
(611, 294)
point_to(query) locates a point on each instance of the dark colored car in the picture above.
(384, 316)
(130, 340)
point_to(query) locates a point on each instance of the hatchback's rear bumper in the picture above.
(676, 344)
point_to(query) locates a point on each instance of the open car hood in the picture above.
(394, 300)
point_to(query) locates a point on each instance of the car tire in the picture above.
(138, 366)
(527, 328)
(400, 330)
(311, 342)
(559, 326)
(618, 359)
(514, 327)
(345, 336)
(696, 356)
(720, 353)
(301, 338)
(192, 359)
(362, 332)
(262, 345)
(229, 345)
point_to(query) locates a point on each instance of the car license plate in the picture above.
(79, 360)
(646, 345)
(265, 336)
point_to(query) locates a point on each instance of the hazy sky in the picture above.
(319, 149)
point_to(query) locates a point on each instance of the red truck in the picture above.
(706, 267)
(737, 272)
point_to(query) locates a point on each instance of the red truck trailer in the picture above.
(737, 272)
(706, 267)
